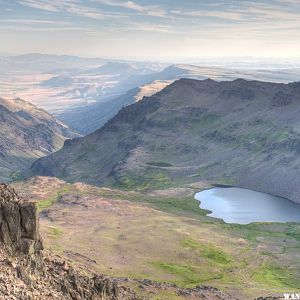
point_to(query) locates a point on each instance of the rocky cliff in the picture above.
(28, 272)
(18, 223)
(243, 133)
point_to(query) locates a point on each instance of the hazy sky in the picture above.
(151, 28)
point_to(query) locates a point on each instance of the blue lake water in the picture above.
(243, 206)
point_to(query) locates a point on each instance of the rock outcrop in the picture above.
(18, 223)
(28, 272)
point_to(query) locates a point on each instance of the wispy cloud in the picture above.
(40, 4)
(25, 29)
(226, 15)
(148, 27)
(151, 10)
(34, 22)
(246, 11)
(74, 7)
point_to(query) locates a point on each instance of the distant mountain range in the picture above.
(87, 118)
(63, 85)
(243, 133)
(27, 133)
(116, 68)
(59, 83)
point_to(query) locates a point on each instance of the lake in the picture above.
(243, 206)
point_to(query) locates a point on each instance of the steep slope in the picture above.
(27, 133)
(239, 132)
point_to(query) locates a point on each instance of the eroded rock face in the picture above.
(28, 273)
(18, 223)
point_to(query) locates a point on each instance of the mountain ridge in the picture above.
(235, 132)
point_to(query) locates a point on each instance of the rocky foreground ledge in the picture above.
(28, 272)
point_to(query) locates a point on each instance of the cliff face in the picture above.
(18, 223)
(27, 272)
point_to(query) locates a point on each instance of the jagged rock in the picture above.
(198, 292)
(18, 223)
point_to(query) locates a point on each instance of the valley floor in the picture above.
(163, 236)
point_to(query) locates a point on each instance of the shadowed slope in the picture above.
(27, 133)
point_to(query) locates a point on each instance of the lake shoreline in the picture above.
(235, 205)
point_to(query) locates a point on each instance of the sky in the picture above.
(152, 28)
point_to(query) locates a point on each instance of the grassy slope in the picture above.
(164, 236)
